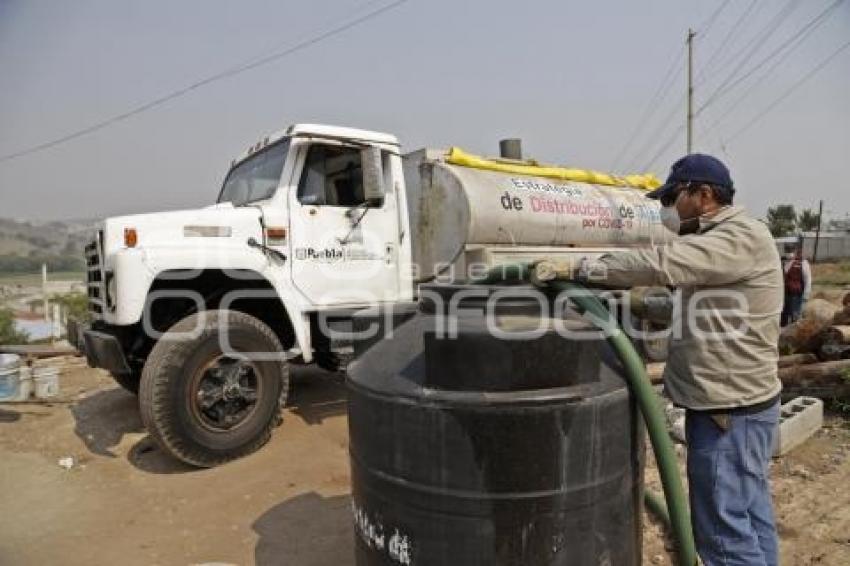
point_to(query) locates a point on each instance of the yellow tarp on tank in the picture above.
(647, 182)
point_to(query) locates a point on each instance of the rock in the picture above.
(658, 559)
(675, 422)
(802, 472)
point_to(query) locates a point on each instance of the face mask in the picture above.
(670, 218)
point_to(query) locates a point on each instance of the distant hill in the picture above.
(24, 246)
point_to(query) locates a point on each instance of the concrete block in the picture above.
(799, 419)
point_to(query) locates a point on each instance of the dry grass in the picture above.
(832, 274)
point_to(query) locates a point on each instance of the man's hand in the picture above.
(585, 270)
(546, 271)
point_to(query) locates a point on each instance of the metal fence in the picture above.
(831, 246)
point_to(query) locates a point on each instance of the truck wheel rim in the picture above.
(224, 393)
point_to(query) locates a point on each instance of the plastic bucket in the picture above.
(46, 382)
(15, 384)
(9, 361)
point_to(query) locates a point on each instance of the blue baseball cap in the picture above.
(695, 168)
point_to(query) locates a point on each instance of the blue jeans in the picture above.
(731, 508)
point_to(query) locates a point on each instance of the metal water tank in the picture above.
(454, 209)
(468, 447)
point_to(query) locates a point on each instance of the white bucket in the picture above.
(15, 383)
(9, 361)
(46, 381)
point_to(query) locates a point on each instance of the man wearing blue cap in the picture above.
(722, 364)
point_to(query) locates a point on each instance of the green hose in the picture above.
(676, 510)
(656, 504)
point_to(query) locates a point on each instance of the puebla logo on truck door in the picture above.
(333, 255)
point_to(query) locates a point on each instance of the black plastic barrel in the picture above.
(469, 447)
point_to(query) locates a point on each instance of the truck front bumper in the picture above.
(102, 350)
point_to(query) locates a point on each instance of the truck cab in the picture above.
(310, 225)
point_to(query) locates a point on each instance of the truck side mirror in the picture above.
(373, 175)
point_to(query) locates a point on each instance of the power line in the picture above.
(663, 126)
(788, 92)
(706, 26)
(664, 147)
(753, 47)
(795, 41)
(664, 87)
(233, 71)
(653, 105)
(727, 40)
(801, 34)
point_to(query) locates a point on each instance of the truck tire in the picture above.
(206, 406)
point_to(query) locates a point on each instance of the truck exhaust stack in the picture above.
(510, 148)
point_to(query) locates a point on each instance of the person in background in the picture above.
(797, 275)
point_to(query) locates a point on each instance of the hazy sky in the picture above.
(570, 78)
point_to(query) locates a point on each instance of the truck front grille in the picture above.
(94, 279)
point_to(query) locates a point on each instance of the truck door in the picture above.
(344, 249)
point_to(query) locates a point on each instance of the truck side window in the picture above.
(332, 176)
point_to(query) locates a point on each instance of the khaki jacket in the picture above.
(730, 278)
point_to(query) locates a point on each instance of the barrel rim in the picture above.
(493, 399)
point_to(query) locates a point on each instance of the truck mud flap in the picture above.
(104, 351)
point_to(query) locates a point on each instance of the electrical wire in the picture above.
(658, 132)
(233, 71)
(801, 34)
(727, 41)
(706, 26)
(799, 40)
(664, 88)
(753, 47)
(664, 147)
(788, 92)
(749, 50)
(652, 107)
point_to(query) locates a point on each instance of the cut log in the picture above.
(842, 317)
(796, 360)
(823, 370)
(802, 336)
(820, 310)
(826, 380)
(835, 343)
(837, 334)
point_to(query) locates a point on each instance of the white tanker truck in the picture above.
(201, 311)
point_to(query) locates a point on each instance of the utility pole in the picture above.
(817, 233)
(690, 145)
(44, 291)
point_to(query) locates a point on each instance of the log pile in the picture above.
(826, 380)
(819, 363)
(823, 330)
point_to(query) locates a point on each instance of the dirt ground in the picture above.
(810, 495)
(125, 502)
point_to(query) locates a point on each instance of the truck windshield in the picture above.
(256, 178)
